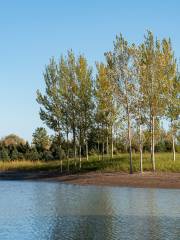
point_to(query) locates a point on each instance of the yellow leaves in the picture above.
(104, 93)
(157, 68)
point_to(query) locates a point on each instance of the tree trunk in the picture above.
(60, 157)
(61, 165)
(87, 155)
(130, 145)
(74, 146)
(80, 156)
(98, 151)
(112, 146)
(75, 154)
(129, 128)
(103, 150)
(140, 149)
(152, 145)
(173, 145)
(107, 145)
(67, 154)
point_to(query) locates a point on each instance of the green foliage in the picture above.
(32, 155)
(47, 156)
(15, 154)
(13, 140)
(4, 156)
(41, 139)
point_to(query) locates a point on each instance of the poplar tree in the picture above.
(72, 99)
(123, 73)
(50, 101)
(140, 109)
(84, 101)
(65, 98)
(105, 109)
(156, 70)
(173, 109)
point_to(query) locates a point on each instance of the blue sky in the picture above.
(33, 31)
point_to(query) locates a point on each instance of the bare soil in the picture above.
(145, 180)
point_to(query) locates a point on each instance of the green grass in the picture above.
(120, 163)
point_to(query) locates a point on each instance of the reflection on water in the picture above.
(53, 211)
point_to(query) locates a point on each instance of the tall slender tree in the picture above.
(65, 98)
(157, 67)
(71, 98)
(123, 73)
(50, 101)
(105, 109)
(85, 100)
(173, 109)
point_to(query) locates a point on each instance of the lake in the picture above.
(51, 211)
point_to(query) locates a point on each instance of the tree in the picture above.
(15, 154)
(65, 98)
(70, 97)
(105, 101)
(123, 72)
(47, 155)
(140, 109)
(4, 156)
(51, 111)
(157, 68)
(12, 139)
(101, 90)
(32, 154)
(77, 104)
(84, 101)
(173, 109)
(41, 139)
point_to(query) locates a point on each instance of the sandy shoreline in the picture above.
(145, 180)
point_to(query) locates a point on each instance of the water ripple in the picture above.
(54, 211)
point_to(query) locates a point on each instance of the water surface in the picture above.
(53, 211)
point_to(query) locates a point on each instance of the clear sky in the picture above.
(34, 30)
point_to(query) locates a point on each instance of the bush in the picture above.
(32, 155)
(47, 156)
(4, 156)
(14, 154)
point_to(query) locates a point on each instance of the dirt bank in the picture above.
(145, 180)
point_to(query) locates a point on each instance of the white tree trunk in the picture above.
(67, 138)
(74, 143)
(130, 145)
(107, 145)
(174, 151)
(80, 156)
(98, 151)
(152, 145)
(112, 149)
(87, 155)
(140, 149)
(129, 129)
(103, 151)
(75, 153)
(112, 146)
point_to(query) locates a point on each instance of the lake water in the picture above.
(52, 211)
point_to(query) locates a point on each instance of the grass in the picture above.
(120, 163)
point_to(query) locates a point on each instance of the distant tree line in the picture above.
(118, 109)
(46, 148)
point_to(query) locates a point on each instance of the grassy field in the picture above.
(120, 163)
